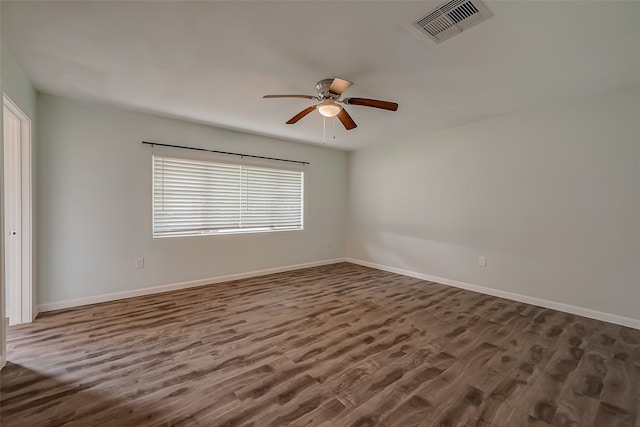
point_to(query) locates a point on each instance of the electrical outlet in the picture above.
(139, 263)
(482, 261)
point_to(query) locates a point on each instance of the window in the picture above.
(202, 197)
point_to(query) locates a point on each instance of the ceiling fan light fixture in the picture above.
(329, 108)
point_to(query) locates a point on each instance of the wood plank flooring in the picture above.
(339, 345)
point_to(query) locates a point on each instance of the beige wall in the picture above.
(550, 197)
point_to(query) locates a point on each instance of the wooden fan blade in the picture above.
(338, 86)
(346, 120)
(376, 103)
(290, 96)
(301, 114)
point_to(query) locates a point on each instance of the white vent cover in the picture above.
(452, 18)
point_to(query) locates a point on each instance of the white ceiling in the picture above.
(212, 61)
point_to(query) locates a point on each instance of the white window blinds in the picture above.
(195, 197)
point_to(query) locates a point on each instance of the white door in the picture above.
(13, 215)
(17, 209)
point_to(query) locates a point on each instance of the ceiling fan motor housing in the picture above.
(323, 89)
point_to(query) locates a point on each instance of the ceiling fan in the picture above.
(329, 93)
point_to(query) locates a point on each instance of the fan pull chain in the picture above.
(334, 128)
(324, 129)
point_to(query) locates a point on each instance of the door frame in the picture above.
(27, 312)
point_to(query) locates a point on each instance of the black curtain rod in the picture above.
(225, 152)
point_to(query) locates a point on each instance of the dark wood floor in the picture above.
(340, 345)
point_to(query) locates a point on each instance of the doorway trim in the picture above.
(27, 312)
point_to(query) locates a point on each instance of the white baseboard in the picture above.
(50, 306)
(580, 311)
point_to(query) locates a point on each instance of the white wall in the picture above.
(551, 197)
(95, 204)
(15, 83)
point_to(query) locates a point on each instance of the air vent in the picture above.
(452, 18)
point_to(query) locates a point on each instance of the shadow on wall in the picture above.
(29, 397)
(397, 245)
(414, 249)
